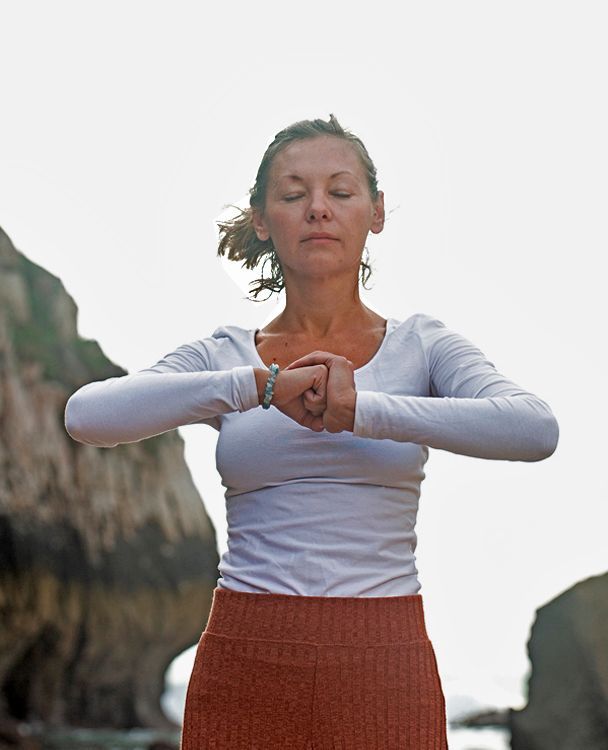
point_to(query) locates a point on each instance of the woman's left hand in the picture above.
(341, 394)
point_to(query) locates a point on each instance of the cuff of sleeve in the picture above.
(245, 387)
(365, 410)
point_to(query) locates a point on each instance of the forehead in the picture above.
(322, 156)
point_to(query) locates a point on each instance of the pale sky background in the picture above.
(126, 127)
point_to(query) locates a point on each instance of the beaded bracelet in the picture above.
(274, 371)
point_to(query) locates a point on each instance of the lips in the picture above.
(319, 236)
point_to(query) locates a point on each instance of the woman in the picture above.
(316, 636)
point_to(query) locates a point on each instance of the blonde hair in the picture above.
(238, 240)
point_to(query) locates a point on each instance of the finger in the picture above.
(314, 358)
(314, 403)
(341, 397)
(319, 385)
(313, 397)
(313, 422)
(317, 412)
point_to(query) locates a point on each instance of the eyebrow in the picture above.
(297, 177)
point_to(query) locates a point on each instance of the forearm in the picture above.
(134, 407)
(515, 428)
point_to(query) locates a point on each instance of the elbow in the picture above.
(78, 427)
(71, 419)
(547, 438)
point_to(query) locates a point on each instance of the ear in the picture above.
(259, 225)
(378, 215)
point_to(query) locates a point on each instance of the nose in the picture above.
(318, 207)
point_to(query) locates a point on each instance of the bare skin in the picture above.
(319, 186)
(357, 345)
(289, 396)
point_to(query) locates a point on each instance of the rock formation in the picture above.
(568, 687)
(107, 556)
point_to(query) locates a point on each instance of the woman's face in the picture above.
(318, 186)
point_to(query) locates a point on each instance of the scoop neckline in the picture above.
(390, 327)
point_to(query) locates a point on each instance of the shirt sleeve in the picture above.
(178, 390)
(473, 410)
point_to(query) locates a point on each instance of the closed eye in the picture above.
(290, 198)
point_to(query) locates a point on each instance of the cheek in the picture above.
(288, 229)
(283, 237)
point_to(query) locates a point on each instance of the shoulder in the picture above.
(224, 341)
(226, 345)
(229, 333)
(223, 349)
(446, 348)
(432, 331)
(434, 337)
(423, 325)
(413, 339)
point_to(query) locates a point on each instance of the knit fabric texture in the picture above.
(284, 672)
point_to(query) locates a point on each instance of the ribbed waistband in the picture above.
(317, 619)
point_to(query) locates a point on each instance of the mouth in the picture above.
(320, 238)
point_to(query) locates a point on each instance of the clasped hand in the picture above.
(318, 391)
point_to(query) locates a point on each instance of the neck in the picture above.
(318, 309)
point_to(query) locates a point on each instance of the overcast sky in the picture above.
(126, 127)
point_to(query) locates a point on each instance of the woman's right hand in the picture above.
(298, 393)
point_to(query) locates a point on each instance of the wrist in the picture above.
(349, 407)
(261, 381)
(261, 378)
(341, 414)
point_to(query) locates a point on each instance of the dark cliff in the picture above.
(107, 556)
(568, 687)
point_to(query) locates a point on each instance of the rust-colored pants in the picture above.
(286, 672)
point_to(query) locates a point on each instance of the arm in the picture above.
(473, 409)
(178, 390)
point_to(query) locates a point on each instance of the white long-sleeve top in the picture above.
(319, 513)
